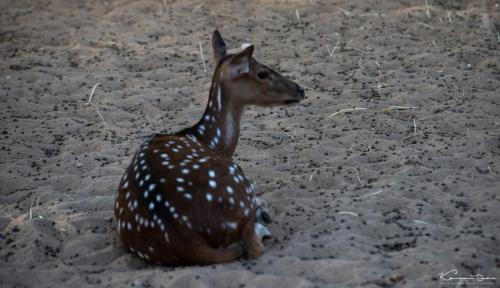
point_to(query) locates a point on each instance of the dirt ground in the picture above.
(389, 194)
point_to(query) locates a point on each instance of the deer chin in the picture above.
(286, 102)
(291, 101)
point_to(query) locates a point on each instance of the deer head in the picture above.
(250, 82)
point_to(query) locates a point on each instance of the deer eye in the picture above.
(263, 75)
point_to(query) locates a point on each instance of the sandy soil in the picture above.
(377, 197)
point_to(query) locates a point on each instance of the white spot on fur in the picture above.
(212, 183)
(219, 96)
(232, 225)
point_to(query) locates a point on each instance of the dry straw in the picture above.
(202, 58)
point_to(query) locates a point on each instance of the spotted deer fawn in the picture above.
(183, 200)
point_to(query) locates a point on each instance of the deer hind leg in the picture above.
(203, 254)
(251, 241)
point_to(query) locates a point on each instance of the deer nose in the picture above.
(301, 91)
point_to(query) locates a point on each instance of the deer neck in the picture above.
(219, 128)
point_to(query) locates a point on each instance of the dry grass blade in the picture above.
(31, 207)
(369, 194)
(92, 92)
(414, 131)
(414, 127)
(357, 176)
(420, 222)
(202, 58)
(347, 110)
(103, 121)
(427, 10)
(348, 213)
(330, 52)
(426, 25)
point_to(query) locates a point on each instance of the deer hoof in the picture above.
(262, 212)
(261, 231)
(263, 216)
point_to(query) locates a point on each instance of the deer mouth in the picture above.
(299, 95)
(295, 99)
(292, 101)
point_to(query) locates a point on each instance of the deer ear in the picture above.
(240, 64)
(219, 47)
